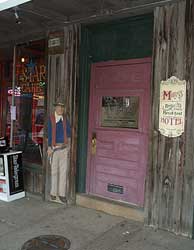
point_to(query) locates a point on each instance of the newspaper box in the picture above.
(11, 176)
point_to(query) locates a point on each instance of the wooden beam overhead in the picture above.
(37, 17)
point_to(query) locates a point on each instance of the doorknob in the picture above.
(93, 143)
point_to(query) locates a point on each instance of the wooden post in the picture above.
(170, 205)
(71, 40)
(63, 71)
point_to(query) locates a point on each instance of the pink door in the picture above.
(118, 130)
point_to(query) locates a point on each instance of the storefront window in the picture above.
(29, 94)
(120, 112)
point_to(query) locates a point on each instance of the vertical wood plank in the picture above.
(71, 41)
(168, 203)
(188, 170)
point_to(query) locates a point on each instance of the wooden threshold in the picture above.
(110, 207)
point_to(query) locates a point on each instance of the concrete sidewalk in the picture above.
(87, 229)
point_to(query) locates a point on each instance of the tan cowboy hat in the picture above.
(59, 102)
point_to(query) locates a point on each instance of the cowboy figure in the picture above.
(59, 133)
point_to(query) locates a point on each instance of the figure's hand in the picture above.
(49, 151)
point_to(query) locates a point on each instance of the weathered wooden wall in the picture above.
(33, 181)
(63, 71)
(170, 183)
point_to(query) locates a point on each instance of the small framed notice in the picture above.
(172, 107)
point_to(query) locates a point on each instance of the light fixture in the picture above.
(18, 21)
(22, 59)
(6, 4)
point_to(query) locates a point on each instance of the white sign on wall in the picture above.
(172, 107)
(54, 42)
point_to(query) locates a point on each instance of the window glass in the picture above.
(120, 112)
(29, 102)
